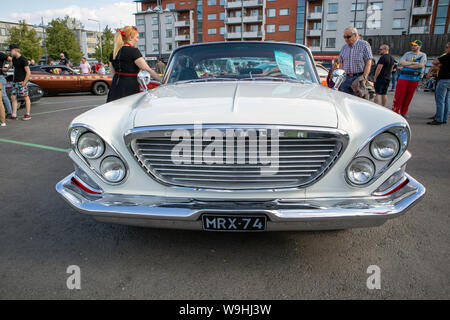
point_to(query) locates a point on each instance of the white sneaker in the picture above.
(3, 125)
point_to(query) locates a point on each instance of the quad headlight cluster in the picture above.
(375, 157)
(101, 157)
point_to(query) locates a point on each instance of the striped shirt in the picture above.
(354, 58)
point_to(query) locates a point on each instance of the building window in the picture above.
(140, 22)
(222, 16)
(358, 7)
(283, 28)
(333, 7)
(270, 28)
(155, 20)
(141, 34)
(170, 6)
(169, 33)
(398, 23)
(169, 19)
(222, 31)
(141, 48)
(315, 42)
(155, 47)
(400, 5)
(331, 42)
(222, 2)
(169, 47)
(374, 24)
(317, 26)
(271, 13)
(212, 16)
(358, 24)
(155, 34)
(284, 12)
(332, 25)
(376, 6)
(212, 31)
(212, 2)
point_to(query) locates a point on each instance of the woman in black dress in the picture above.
(126, 61)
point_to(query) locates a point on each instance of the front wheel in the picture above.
(100, 88)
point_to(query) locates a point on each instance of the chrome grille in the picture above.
(304, 156)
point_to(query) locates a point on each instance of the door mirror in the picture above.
(338, 77)
(144, 79)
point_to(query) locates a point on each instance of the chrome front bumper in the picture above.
(282, 214)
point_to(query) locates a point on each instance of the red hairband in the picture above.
(123, 32)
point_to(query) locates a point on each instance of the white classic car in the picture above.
(223, 145)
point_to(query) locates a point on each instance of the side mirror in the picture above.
(338, 77)
(144, 79)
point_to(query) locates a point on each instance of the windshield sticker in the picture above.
(285, 63)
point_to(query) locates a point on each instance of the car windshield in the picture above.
(241, 61)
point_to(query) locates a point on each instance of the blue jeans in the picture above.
(394, 80)
(442, 100)
(5, 98)
(346, 86)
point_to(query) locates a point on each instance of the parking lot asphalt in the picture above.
(40, 235)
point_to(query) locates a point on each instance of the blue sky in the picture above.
(109, 12)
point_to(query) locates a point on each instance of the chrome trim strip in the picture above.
(285, 214)
(317, 132)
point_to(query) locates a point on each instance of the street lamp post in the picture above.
(100, 31)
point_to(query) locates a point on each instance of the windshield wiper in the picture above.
(282, 79)
(207, 79)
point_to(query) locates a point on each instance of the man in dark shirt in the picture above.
(22, 75)
(383, 74)
(5, 99)
(442, 88)
(63, 60)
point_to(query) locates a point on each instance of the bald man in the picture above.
(383, 74)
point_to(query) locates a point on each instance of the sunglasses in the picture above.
(348, 37)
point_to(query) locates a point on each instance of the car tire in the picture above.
(100, 88)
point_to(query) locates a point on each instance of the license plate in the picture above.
(236, 223)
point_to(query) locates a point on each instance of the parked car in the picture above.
(54, 79)
(241, 152)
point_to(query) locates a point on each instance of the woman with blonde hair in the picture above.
(126, 61)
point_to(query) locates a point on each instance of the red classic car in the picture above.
(54, 79)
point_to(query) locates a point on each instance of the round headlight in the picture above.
(384, 147)
(361, 170)
(113, 169)
(91, 146)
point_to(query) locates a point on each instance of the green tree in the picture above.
(61, 38)
(103, 52)
(27, 39)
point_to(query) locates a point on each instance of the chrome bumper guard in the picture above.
(282, 214)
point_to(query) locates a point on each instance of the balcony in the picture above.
(233, 35)
(422, 11)
(315, 16)
(253, 3)
(252, 34)
(182, 23)
(314, 32)
(182, 37)
(419, 29)
(250, 19)
(233, 4)
(314, 49)
(233, 20)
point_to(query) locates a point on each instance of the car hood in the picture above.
(261, 102)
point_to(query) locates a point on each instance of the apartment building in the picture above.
(4, 33)
(167, 24)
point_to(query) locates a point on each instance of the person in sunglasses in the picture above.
(355, 58)
(412, 66)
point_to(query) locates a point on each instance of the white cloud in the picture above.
(117, 14)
